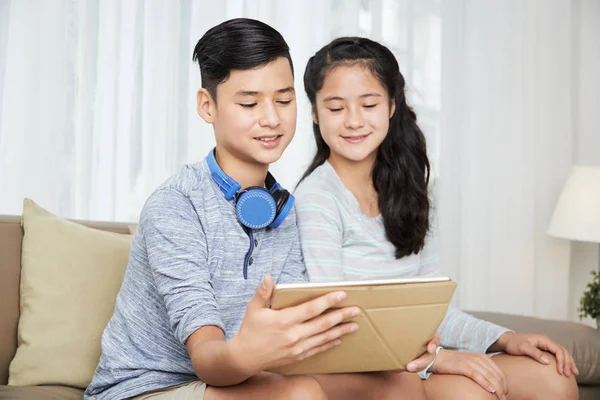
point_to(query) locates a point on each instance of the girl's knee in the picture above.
(403, 385)
(304, 388)
(456, 387)
(555, 386)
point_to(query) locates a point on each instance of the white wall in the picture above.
(586, 96)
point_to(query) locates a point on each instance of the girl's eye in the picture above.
(370, 105)
(249, 105)
(335, 109)
(284, 102)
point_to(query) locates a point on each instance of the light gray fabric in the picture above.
(340, 243)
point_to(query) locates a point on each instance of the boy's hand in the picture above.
(272, 338)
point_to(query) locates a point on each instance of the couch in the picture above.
(582, 341)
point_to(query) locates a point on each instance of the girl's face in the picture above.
(353, 112)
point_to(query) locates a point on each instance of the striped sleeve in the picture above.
(294, 270)
(459, 330)
(177, 258)
(320, 227)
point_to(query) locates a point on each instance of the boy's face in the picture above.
(254, 118)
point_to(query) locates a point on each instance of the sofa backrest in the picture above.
(11, 236)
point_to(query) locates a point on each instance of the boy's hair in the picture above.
(401, 170)
(239, 43)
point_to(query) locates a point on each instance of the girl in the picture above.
(364, 212)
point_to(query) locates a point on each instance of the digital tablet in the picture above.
(399, 317)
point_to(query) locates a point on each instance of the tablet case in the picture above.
(395, 326)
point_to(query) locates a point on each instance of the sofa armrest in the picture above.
(582, 341)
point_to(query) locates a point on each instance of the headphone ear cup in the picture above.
(281, 197)
(285, 204)
(255, 208)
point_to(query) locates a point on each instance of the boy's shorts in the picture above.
(187, 391)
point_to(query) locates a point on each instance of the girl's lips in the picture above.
(356, 139)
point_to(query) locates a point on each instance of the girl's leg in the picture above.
(455, 387)
(528, 379)
(270, 386)
(373, 385)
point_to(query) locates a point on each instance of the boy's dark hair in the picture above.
(239, 43)
(401, 170)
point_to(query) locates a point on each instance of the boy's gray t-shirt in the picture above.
(185, 271)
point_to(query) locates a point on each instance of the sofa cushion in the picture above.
(40, 393)
(582, 341)
(70, 277)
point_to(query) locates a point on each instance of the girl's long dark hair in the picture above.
(401, 170)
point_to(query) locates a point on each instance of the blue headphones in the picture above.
(255, 207)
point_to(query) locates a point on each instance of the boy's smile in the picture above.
(254, 119)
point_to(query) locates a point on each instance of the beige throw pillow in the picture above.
(70, 277)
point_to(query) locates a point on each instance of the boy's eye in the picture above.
(334, 110)
(248, 105)
(284, 102)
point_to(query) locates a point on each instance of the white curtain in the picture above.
(510, 132)
(97, 105)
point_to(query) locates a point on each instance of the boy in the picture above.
(194, 267)
(191, 319)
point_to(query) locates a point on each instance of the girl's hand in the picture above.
(478, 367)
(520, 344)
(420, 363)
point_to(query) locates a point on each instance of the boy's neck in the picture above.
(244, 173)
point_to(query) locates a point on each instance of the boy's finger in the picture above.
(262, 294)
(325, 322)
(333, 334)
(314, 308)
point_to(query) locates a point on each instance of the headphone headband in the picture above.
(256, 207)
(228, 186)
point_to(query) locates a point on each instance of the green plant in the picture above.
(590, 301)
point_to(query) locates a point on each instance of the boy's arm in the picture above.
(321, 235)
(178, 260)
(213, 358)
(269, 338)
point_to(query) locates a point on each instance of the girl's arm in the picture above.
(459, 330)
(321, 235)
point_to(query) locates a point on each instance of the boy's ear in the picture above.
(205, 106)
(392, 108)
(315, 116)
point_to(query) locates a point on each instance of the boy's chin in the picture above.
(263, 156)
(267, 158)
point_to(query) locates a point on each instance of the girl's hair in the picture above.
(401, 170)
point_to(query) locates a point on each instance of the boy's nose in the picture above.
(270, 117)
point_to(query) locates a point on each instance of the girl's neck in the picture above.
(353, 173)
(357, 176)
